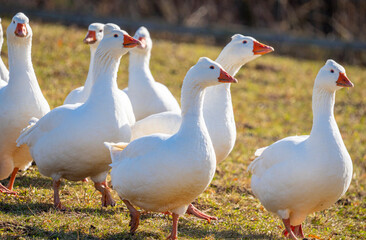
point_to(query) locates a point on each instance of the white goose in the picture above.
(81, 94)
(20, 100)
(156, 97)
(93, 38)
(299, 175)
(156, 172)
(217, 107)
(68, 141)
(4, 73)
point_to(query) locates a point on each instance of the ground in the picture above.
(271, 101)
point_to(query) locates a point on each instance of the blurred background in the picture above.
(314, 29)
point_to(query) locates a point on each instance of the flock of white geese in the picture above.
(161, 155)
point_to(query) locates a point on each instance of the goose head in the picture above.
(332, 77)
(94, 35)
(242, 49)
(117, 43)
(143, 35)
(19, 30)
(109, 27)
(208, 73)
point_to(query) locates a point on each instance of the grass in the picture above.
(271, 101)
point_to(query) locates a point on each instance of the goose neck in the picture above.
(323, 112)
(21, 72)
(323, 103)
(192, 101)
(139, 71)
(89, 79)
(104, 75)
(139, 61)
(230, 67)
(19, 56)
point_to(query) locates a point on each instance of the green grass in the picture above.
(271, 101)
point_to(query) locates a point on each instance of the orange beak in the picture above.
(226, 78)
(261, 49)
(90, 37)
(343, 81)
(21, 30)
(130, 42)
(143, 42)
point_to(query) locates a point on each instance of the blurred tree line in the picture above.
(342, 19)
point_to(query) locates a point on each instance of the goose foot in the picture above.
(298, 231)
(285, 232)
(174, 234)
(107, 199)
(5, 190)
(288, 232)
(60, 207)
(135, 217)
(12, 179)
(56, 196)
(194, 211)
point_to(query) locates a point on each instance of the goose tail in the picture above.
(25, 133)
(115, 149)
(258, 153)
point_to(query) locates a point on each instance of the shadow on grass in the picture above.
(98, 210)
(186, 229)
(137, 235)
(37, 182)
(223, 234)
(34, 208)
(11, 229)
(26, 181)
(24, 208)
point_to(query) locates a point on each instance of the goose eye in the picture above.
(332, 71)
(115, 35)
(245, 41)
(212, 67)
(100, 30)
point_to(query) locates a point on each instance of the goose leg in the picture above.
(12, 179)
(285, 232)
(56, 196)
(288, 228)
(3, 189)
(194, 211)
(135, 217)
(107, 199)
(298, 231)
(174, 233)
